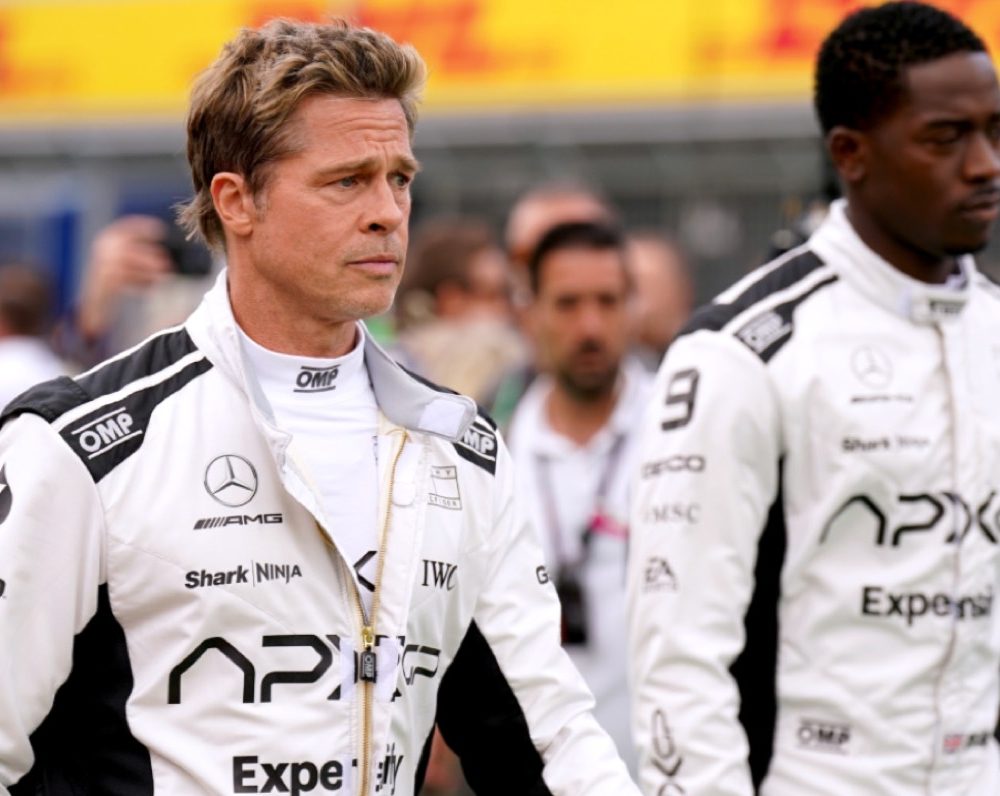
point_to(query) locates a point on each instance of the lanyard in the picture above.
(597, 520)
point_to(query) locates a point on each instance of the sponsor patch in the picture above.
(823, 736)
(6, 495)
(444, 488)
(479, 446)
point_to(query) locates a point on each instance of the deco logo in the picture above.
(231, 480)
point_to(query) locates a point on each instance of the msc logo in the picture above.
(440, 574)
(823, 736)
(231, 480)
(6, 495)
(316, 379)
(106, 432)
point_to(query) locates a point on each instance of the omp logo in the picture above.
(316, 379)
(239, 519)
(440, 574)
(764, 331)
(6, 495)
(823, 736)
(106, 432)
(483, 443)
(413, 660)
(231, 480)
(254, 575)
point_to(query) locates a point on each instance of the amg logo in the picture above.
(824, 736)
(482, 443)
(239, 519)
(106, 432)
(439, 574)
(253, 575)
(316, 379)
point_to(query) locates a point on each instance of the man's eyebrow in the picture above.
(403, 162)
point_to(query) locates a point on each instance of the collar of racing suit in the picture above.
(403, 400)
(838, 244)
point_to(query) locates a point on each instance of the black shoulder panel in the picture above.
(482, 721)
(154, 355)
(85, 745)
(111, 433)
(50, 400)
(714, 316)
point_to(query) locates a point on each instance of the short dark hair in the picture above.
(575, 235)
(859, 70)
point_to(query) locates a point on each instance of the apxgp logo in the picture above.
(231, 480)
(316, 379)
(6, 495)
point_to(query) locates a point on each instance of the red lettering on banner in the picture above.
(444, 32)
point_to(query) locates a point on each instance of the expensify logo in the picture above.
(253, 775)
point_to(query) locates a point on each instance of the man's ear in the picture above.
(849, 150)
(234, 202)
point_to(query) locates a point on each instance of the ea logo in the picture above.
(872, 367)
(231, 480)
(6, 496)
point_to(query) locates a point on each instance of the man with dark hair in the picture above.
(572, 438)
(825, 624)
(253, 554)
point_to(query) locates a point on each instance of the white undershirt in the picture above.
(328, 407)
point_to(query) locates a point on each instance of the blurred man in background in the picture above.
(572, 437)
(815, 559)
(664, 293)
(26, 357)
(453, 309)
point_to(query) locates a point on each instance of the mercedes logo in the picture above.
(6, 496)
(231, 480)
(872, 367)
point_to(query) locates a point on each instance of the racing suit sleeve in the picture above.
(512, 705)
(708, 475)
(50, 570)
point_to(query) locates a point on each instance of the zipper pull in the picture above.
(368, 664)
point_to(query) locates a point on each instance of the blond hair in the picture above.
(241, 104)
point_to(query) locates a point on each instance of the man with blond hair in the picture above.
(252, 554)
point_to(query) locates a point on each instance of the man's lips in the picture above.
(376, 263)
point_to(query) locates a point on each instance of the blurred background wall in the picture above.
(691, 115)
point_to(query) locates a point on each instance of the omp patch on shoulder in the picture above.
(479, 445)
(108, 435)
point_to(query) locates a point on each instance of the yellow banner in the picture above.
(65, 59)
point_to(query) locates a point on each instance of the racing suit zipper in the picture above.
(367, 666)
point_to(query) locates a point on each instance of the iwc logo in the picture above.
(872, 367)
(231, 480)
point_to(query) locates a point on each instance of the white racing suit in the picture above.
(814, 562)
(175, 616)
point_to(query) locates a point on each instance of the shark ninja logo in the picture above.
(6, 496)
